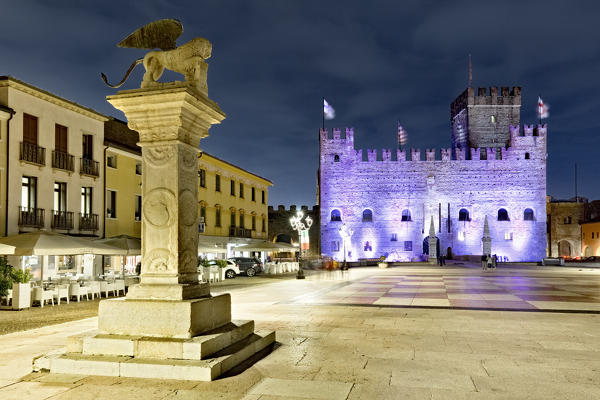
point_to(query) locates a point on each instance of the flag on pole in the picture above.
(328, 111)
(402, 136)
(542, 109)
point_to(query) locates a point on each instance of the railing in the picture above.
(62, 160)
(89, 167)
(33, 217)
(88, 222)
(32, 153)
(62, 220)
(240, 232)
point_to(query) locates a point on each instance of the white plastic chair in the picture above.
(206, 274)
(107, 287)
(214, 274)
(120, 286)
(78, 291)
(40, 295)
(61, 292)
(93, 288)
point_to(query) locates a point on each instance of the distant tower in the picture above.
(483, 119)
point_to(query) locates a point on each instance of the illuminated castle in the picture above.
(496, 169)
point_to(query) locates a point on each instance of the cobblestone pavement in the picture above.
(362, 351)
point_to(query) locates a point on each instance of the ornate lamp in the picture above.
(301, 225)
(346, 233)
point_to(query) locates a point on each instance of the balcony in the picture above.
(32, 153)
(240, 232)
(88, 222)
(62, 160)
(89, 167)
(62, 220)
(31, 217)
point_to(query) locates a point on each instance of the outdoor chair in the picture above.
(61, 292)
(206, 274)
(93, 288)
(78, 291)
(8, 297)
(120, 286)
(41, 296)
(107, 287)
(214, 274)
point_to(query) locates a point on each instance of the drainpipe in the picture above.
(12, 113)
(104, 192)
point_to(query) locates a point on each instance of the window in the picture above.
(137, 216)
(253, 194)
(87, 147)
(203, 214)
(508, 236)
(111, 160)
(567, 220)
(592, 235)
(30, 129)
(86, 200)
(241, 190)
(367, 246)
(461, 236)
(408, 245)
(336, 158)
(463, 215)
(367, 216)
(217, 183)
(263, 197)
(335, 215)
(503, 215)
(202, 176)
(528, 214)
(527, 156)
(233, 218)
(335, 245)
(253, 222)
(218, 216)
(241, 220)
(111, 204)
(264, 223)
(138, 168)
(394, 237)
(60, 196)
(60, 138)
(29, 192)
(406, 215)
(232, 187)
(493, 119)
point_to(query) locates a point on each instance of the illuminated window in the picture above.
(463, 215)
(394, 237)
(508, 236)
(461, 235)
(406, 215)
(567, 220)
(336, 215)
(367, 216)
(528, 214)
(503, 215)
(493, 119)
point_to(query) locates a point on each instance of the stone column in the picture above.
(486, 240)
(432, 240)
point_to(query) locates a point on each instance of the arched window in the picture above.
(463, 215)
(406, 215)
(367, 216)
(503, 215)
(336, 158)
(528, 214)
(527, 156)
(336, 215)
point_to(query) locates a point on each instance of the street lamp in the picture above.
(302, 227)
(346, 233)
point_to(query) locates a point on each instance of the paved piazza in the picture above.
(400, 333)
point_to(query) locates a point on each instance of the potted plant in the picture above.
(382, 263)
(6, 277)
(222, 264)
(21, 289)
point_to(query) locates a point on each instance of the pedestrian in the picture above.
(489, 261)
(483, 262)
(443, 260)
(494, 261)
(439, 260)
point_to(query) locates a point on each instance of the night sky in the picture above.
(376, 62)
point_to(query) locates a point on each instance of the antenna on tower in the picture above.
(470, 72)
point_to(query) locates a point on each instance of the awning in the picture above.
(43, 243)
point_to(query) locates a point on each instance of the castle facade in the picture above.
(387, 200)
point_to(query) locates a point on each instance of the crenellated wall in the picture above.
(512, 178)
(281, 230)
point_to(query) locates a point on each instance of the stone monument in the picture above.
(169, 326)
(432, 241)
(486, 240)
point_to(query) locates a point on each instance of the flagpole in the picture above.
(539, 110)
(323, 108)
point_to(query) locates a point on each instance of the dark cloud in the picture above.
(376, 62)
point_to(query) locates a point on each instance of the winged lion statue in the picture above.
(187, 59)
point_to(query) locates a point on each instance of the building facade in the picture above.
(52, 177)
(564, 227)
(590, 238)
(388, 200)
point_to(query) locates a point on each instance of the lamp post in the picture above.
(302, 227)
(346, 233)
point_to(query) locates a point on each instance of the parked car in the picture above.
(248, 265)
(231, 270)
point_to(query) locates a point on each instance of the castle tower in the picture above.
(482, 119)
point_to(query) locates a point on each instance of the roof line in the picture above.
(233, 165)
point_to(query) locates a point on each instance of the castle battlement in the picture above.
(528, 130)
(337, 136)
(293, 208)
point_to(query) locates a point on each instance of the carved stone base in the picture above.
(175, 292)
(165, 319)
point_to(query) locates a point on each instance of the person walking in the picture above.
(484, 262)
(489, 261)
(494, 261)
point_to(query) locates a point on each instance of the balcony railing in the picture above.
(33, 153)
(33, 217)
(62, 220)
(89, 167)
(88, 222)
(62, 160)
(240, 232)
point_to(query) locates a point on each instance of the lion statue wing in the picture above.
(160, 34)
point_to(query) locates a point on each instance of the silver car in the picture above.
(231, 270)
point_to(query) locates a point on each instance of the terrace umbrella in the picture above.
(131, 244)
(266, 246)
